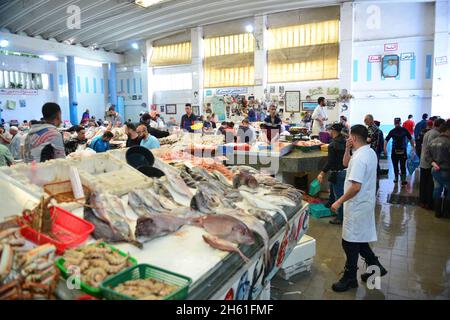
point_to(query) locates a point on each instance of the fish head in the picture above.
(243, 234)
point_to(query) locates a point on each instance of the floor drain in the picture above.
(395, 198)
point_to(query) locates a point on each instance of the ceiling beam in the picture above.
(23, 12)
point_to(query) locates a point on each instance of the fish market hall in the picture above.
(263, 150)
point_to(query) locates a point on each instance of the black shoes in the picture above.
(396, 179)
(336, 221)
(404, 183)
(347, 282)
(365, 276)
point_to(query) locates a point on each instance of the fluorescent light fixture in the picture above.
(85, 62)
(49, 57)
(249, 28)
(147, 3)
(4, 43)
(135, 46)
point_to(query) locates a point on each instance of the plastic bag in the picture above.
(412, 164)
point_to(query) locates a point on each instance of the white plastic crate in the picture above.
(300, 259)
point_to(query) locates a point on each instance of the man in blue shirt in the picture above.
(148, 141)
(101, 143)
(420, 126)
(188, 119)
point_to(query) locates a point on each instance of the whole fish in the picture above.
(256, 226)
(151, 227)
(262, 204)
(135, 202)
(225, 227)
(262, 215)
(104, 231)
(245, 179)
(221, 178)
(200, 203)
(173, 176)
(224, 245)
(178, 197)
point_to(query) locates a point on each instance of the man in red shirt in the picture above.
(409, 124)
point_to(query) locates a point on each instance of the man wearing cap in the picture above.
(400, 137)
(14, 146)
(335, 167)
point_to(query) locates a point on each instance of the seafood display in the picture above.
(40, 218)
(95, 263)
(146, 289)
(150, 227)
(224, 245)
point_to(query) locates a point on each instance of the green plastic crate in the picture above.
(145, 271)
(314, 188)
(320, 211)
(96, 292)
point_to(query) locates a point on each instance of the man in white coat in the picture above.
(359, 198)
(319, 116)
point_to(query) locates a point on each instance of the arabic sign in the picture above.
(231, 91)
(19, 92)
(441, 60)
(375, 58)
(407, 56)
(391, 47)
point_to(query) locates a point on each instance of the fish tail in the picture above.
(195, 221)
(137, 244)
(245, 258)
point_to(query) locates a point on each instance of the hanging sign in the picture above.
(375, 58)
(19, 92)
(231, 91)
(390, 46)
(407, 56)
(441, 60)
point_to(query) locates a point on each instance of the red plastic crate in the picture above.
(70, 231)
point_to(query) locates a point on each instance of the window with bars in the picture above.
(172, 54)
(24, 80)
(229, 61)
(304, 52)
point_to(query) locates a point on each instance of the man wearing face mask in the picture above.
(335, 167)
(44, 141)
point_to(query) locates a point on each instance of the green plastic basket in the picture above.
(145, 271)
(96, 292)
(320, 211)
(314, 188)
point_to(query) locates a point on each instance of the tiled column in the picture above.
(260, 33)
(346, 56)
(197, 67)
(72, 88)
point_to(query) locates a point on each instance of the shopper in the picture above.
(409, 124)
(85, 118)
(439, 153)
(422, 124)
(79, 140)
(319, 116)
(252, 115)
(400, 137)
(335, 167)
(112, 116)
(101, 143)
(5, 137)
(188, 119)
(359, 208)
(426, 179)
(420, 136)
(14, 146)
(148, 141)
(208, 125)
(245, 134)
(133, 136)
(222, 128)
(6, 158)
(44, 141)
(145, 120)
(272, 124)
(374, 138)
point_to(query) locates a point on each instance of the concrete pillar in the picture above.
(148, 83)
(261, 46)
(113, 87)
(105, 84)
(346, 57)
(72, 89)
(441, 73)
(197, 67)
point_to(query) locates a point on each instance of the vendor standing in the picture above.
(188, 119)
(80, 139)
(335, 167)
(319, 116)
(272, 124)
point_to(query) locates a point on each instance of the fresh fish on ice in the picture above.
(152, 227)
(262, 204)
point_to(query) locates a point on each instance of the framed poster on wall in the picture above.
(292, 101)
(196, 110)
(308, 106)
(171, 109)
(390, 66)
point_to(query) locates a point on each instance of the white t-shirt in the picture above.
(359, 212)
(319, 112)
